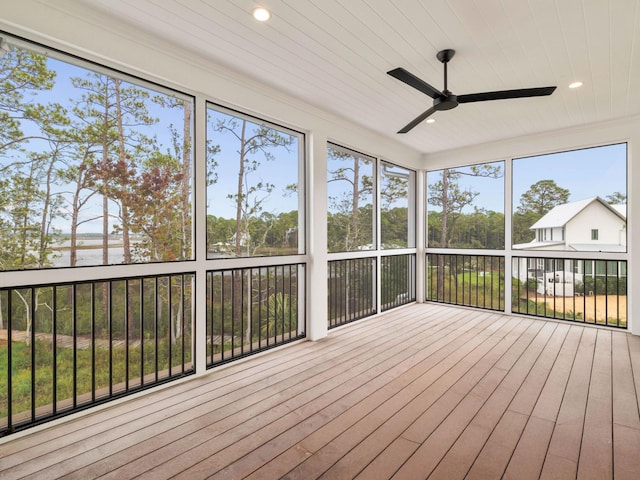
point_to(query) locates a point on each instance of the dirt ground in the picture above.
(595, 306)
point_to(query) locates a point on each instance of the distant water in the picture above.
(88, 257)
(89, 253)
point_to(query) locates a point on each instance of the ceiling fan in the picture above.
(445, 100)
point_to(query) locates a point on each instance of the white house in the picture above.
(590, 225)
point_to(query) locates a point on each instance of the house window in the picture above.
(594, 234)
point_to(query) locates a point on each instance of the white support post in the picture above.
(317, 310)
(508, 254)
(200, 222)
(633, 244)
(420, 228)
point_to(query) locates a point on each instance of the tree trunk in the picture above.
(355, 204)
(44, 226)
(105, 197)
(186, 182)
(105, 180)
(29, 318)
(75, 212)
(124, 201)
(239, 197)
(122, 157)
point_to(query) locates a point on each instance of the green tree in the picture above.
(447, 194)
(181, 143)
(616, 198)
(22, 75)
(394, 219)
(112, 111)
(27, 201)
(254, 143)
(542, 196)
(521, 227)
(348, 216)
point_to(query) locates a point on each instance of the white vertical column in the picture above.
(377, 241)
(200, 237)
(420, 228)
(508, 216)
(317, 311)
(633, 244)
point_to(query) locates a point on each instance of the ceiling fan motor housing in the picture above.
(446, 102)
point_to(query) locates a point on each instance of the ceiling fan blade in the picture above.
(415, 82)
(416, 120)
(504, 94)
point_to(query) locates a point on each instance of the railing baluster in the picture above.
(155, 327)
(32, 302)
(141, 328)
(452, 282)
(92, 319)
(270, 319)
(581, 280)
(54, 352)
(79, 354)
(110, 328)
(9, 361)
(126, 311)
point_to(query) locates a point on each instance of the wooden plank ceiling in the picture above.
(335, 54)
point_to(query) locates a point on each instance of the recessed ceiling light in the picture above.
(261, 14)
(575, 85)
(431, 120)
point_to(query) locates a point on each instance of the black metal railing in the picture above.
(253, 309)
(398, 280)
(65, 347)
(471, 280)
(580, 290)
(352, 290)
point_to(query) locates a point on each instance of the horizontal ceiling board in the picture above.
(335, 54)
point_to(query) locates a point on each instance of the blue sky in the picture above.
(64, 93)
(589, 172)
(280, 172)
(585, 172)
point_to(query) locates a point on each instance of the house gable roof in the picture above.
(560, 215)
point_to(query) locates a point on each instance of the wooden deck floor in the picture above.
(422, 391)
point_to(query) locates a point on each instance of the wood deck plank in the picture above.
(567, 434)
(376, 430)
(626, 417)
(513, 393)
(423, 390)
(109, 433)
(206, 455)
(231, 409)
(326, 433)
(596, 452)
(222, 434)
(511, 368)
